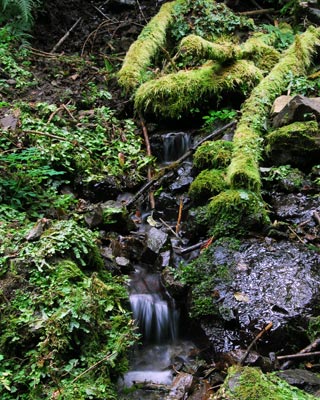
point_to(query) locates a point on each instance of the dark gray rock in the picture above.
(302, 379)
(299, 108)
(156, 239)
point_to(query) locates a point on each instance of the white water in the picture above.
(157, 320)
(175, 145)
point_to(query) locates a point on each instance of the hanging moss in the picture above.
(243, 171)
(175, 94)
(247, 383)
(144, 49)
(235, 212)
(213, 154)
(207, 184)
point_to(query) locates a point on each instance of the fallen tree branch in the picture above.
(298, 355)
(162, 174)
(259, 335)
(64, 37)
(93, 366)
(179, 215)
(315, 344)
(258, 12)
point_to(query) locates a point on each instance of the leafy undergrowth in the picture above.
(65, 324)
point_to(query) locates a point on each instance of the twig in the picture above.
(68, 111)
(193, 247)
(64, 37)
(298, 355)
(93, 366)
(147, 142)
(257, 12)
(74, 142)
(53, 114)
(259, 335)
(295, 233)
(179, 215)
(316, 217)
(261, 8)
(169, 227)
(315, 344)
(140, 9)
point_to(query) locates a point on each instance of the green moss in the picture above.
(298, 138)
(235, 212)
(207, 184)
(313, 330)
(145, 48)
(197, 47)
(247, 383)
(255, 110)
(213, 154)
(175, 94)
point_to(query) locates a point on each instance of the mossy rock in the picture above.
(297, 144)
(213, 154)
(247, 383)
(236, 212)
(207, 184)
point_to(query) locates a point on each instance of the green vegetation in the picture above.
(142, 52)
(247, 383)
(203, 301)
(206, 18)
(234, 212)
(243, 171)
(19, 13)
(207, 184)
(213, 154)
(177, 93)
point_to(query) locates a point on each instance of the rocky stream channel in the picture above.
(271, 286)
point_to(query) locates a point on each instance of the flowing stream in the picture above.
(157, 318)
(175, 145)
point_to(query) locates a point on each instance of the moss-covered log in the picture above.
(199, 48)
(255, 49)
(207, 184)
(175, 94)
(145, 48)
(243, 171)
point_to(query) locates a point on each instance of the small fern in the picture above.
(18, 9)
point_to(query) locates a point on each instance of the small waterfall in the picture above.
(175, 145)
(156, 319)
(153, 309)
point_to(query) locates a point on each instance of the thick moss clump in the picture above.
(145, 48)
(207, 184)
(247, 383)
(235, 212)
(297, 144)
(175, 94)
(213, 154)
(200, 48)
(243, 171)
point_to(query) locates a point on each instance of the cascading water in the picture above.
(153, 309)
(157, 321)
(175, 145)
(157, 318)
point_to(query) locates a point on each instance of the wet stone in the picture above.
(303, 379)
(156, 239)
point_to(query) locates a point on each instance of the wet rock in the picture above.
(284, 178)
(277, 282)
(299, 108)
(156, 239)
(296, 208)
(124, 264)
(302, 379)
(253, 359)
(181, 386)
(38, 229)
(94, 217)
(279, 104)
